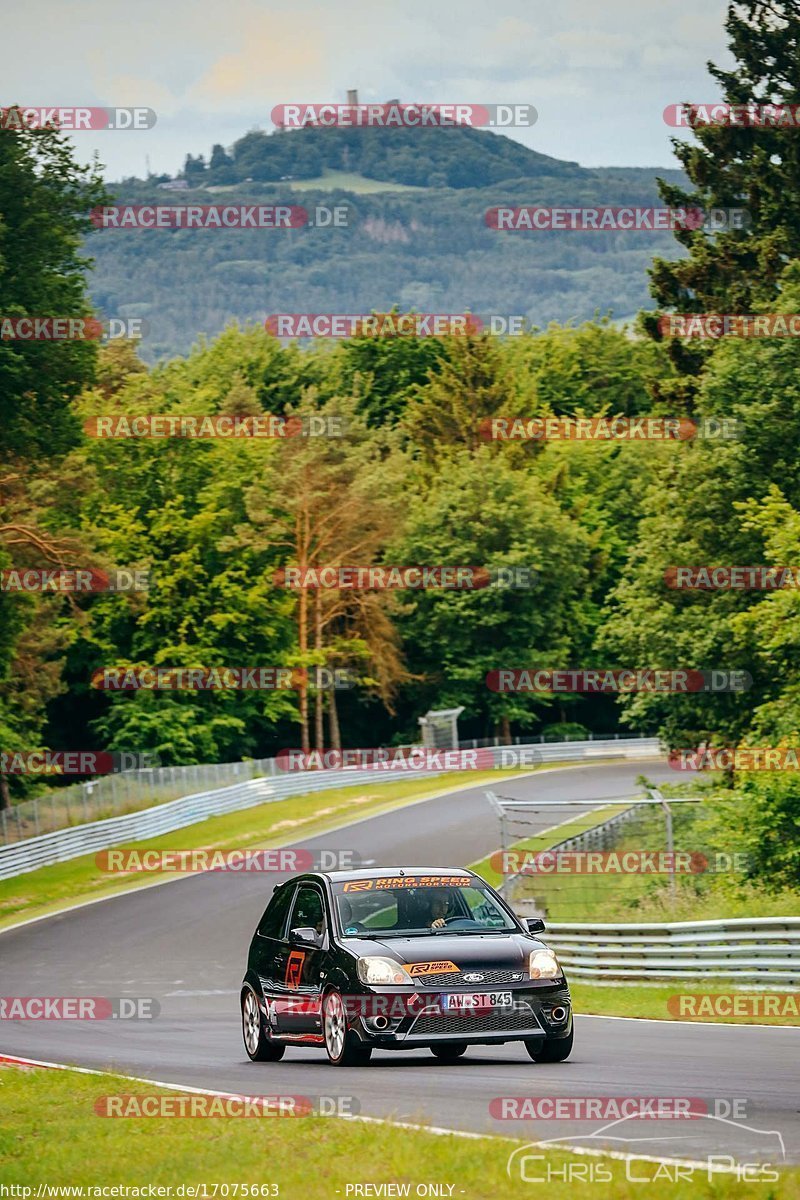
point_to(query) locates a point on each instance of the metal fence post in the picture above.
(498, 807)
(673, 890)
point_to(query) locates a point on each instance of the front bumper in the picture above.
(541, 1012)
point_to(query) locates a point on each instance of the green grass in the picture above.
(349, 181)
(624, 1000)
(543, 841)
(620, 897)
(50, 889)
(267, 825)
(623, 898)
(51, 1135)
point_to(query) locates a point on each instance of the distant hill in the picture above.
(424, 245)
(455, 157)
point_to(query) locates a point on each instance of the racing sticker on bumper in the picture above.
(431, 968)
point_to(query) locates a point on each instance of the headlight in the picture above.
(543, 965)
(382, 970)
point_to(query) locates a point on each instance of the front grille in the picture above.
(519, 1019)
(456, 978)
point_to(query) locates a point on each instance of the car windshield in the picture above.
(417, 905)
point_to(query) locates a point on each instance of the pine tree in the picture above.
(756, 168)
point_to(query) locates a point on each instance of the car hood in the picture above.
(476, 951)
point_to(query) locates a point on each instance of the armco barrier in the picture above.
(746, 950)
(88, 838)
(117, 794)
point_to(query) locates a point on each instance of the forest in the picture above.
(598, 527)
(416, 235)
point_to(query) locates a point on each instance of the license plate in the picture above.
(461, 1001)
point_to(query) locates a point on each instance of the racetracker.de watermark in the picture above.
(736, 758)
(388, 758)
(74, 762)
(734, 325)
(71, 329)
(618, 862)
(395, 1006)
(605, 429)
(124, 861)
(211, 679)
(414, 578)
(218, 216)
(79, 1008)
(614, 1108)
(71, 580)
(689, 1006)
(532, 218)
(158, 1105)
(619, 681)
(599, 862)
(578, 429)
(393, 324)
(413, 758)
(214, 425)
(23, 116)
(751, 115)
(730, 578)
(394, 115)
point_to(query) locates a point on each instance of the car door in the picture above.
(301, 965)
(268, 945)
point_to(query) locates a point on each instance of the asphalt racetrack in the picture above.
(185, 943)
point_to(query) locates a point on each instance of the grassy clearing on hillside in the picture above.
(349, 181)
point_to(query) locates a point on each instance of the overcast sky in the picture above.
(599, 72)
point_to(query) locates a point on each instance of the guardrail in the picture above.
(759, 949)
(90, 837)
(129, 791)
(531, 753)
(116, 794)
(746, 951)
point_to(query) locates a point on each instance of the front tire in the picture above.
(342, 1046)
(550, 1051)
(449, 1051)
(259, 1047)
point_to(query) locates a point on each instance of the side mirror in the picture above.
(534, 924)
(306, 934)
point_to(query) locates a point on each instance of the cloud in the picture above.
(599, 74)
(273, 55)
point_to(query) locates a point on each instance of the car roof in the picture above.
(380, 872)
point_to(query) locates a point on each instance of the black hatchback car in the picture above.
(398, 959)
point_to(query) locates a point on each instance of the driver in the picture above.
(441, 907)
